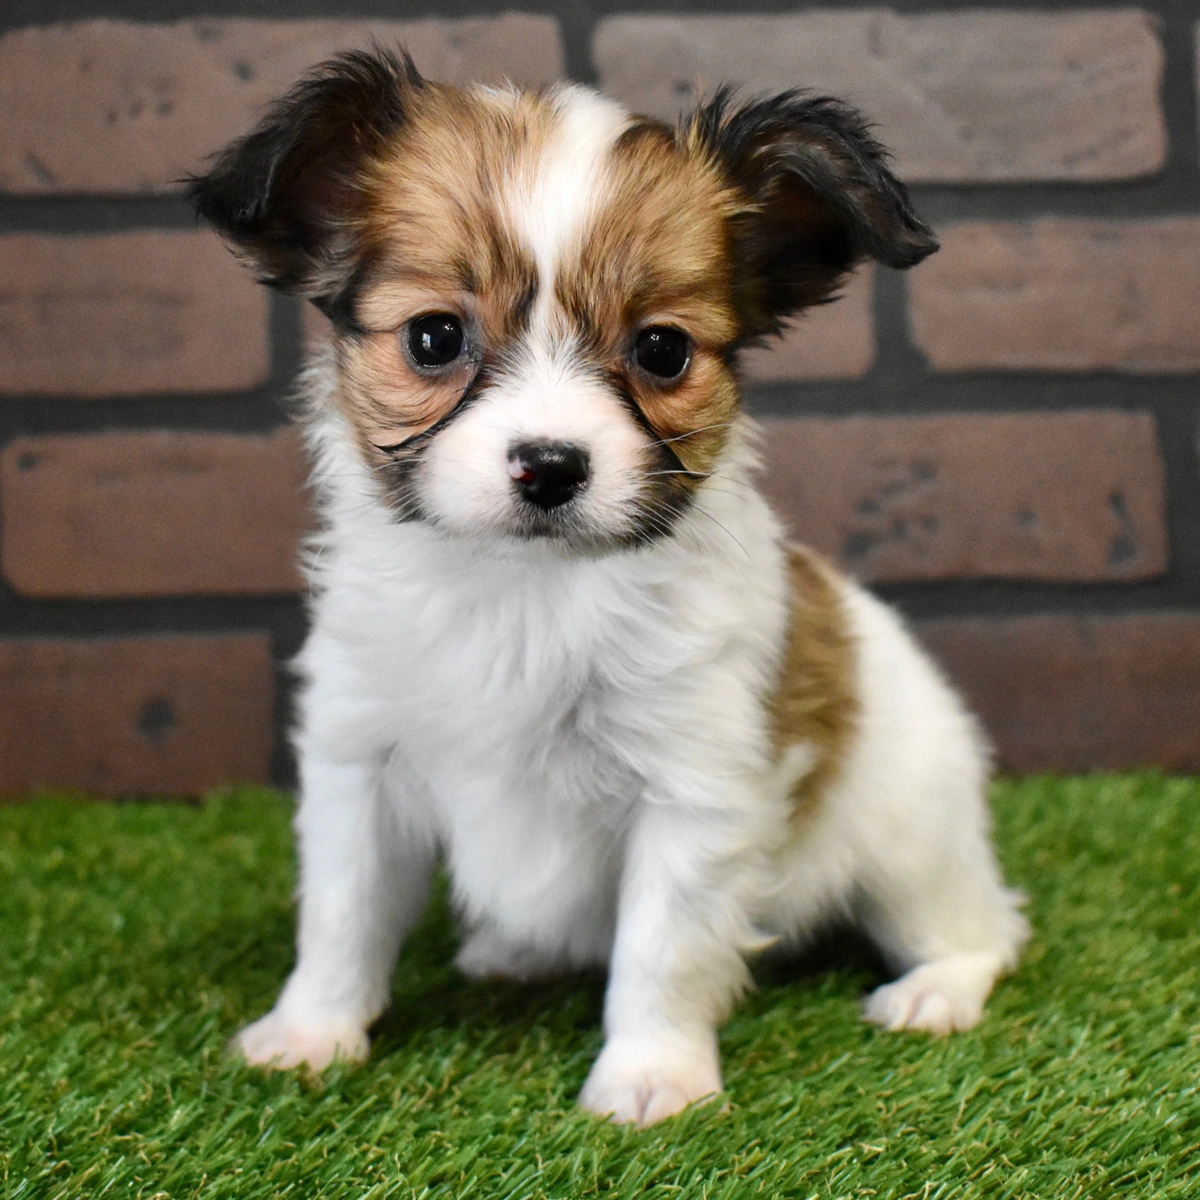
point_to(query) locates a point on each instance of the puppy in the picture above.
(558, 638)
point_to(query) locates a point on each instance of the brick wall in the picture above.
(1003, 441)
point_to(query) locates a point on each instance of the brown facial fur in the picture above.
(657, 255)
(815, 702)
(437, 240)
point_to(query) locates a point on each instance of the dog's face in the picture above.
(546, 322)
(538, 298)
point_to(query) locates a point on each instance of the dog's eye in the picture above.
(435, 340)
(663, 351)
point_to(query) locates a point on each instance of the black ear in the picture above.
(287, 194)
(819, 199)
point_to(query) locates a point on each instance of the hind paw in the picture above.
(938, 997)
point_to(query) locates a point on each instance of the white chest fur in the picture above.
(526, 702)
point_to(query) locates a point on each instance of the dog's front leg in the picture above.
(363, 882)
(677, 964)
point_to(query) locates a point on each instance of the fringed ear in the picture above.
(819, 199)
(287, 195)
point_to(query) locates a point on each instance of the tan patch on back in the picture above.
(816, 702)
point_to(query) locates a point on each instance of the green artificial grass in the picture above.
(134, 940)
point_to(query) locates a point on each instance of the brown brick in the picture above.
(1064, 496)
(1073, 693)
(122, 313)
(152, 514)
(146, 714)
(963, 96)
(118, 106)
(833, 341)
(1061, 296)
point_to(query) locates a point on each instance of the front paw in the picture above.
(279, 1041)
(643, 1081)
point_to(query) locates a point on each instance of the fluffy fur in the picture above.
(639, 730)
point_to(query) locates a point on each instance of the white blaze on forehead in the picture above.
(550, 200)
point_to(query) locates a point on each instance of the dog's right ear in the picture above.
(287, 195)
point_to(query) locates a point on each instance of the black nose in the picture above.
(548, 473)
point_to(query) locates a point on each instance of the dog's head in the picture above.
(538, 298)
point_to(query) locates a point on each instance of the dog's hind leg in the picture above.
(938, 909)
(912, 807)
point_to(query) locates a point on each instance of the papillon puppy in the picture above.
(559, 641)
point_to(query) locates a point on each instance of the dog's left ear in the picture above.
(818, 199)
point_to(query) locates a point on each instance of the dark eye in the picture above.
(663, 351)
(435, 340)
